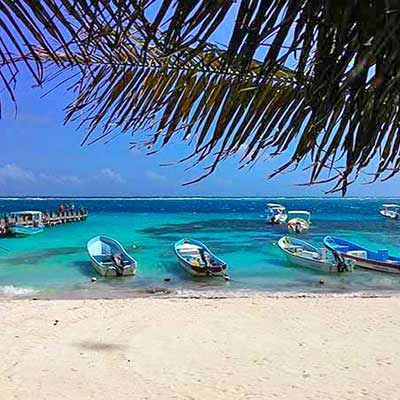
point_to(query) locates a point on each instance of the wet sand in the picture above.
(236, 348)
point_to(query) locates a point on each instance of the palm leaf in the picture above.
(318, 77)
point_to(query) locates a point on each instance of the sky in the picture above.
(42, 156)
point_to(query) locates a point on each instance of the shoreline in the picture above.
(201, 349)
(166, 293)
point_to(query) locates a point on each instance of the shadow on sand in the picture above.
(100, 346)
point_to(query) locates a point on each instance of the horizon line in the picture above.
(5, 197)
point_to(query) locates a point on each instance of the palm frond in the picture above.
(321, 77)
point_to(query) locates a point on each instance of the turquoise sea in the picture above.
(54, 264)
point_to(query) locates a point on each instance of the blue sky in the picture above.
(41, 156)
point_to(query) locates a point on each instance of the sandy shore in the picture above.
(248, 348)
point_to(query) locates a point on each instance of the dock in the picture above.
(48, 219)
(55, 218)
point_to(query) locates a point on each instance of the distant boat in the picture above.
(109, 258)
(391, 211)
(197, 259)
(27, 223)
(299, 221)
(303, 254)
(276, 214)
(379, 260)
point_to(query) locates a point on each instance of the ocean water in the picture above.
(55, 264)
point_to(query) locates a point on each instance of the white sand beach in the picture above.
(242, 348)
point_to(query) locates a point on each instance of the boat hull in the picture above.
(110, 271)
(199, 271)
(389, 214)
(21, 230)
(298, 225)
(312, 264)
(372, 265)
(363, 262)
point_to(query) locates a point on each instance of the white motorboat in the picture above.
(276, 214)
(302, 254)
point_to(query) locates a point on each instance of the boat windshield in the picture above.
(276, 207)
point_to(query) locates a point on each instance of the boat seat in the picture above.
(102, 257)
(310, 254)
(295, 248)
(188, 250)
(188, 247)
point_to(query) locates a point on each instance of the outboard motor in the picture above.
(340, 262)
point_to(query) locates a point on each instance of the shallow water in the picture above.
(55, 263)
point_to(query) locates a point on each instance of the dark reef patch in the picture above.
(37, 256)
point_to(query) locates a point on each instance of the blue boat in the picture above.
(22, 230)
(27, 223)
(195, 258)
(377, 260)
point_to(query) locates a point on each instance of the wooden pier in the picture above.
(48, 219)
(55, 218)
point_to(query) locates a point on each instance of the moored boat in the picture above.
(109, 258)
(302, 254)
(299, 221)
(22, 230)
(377, 260)
(276, 214)
(26, 223)
(391, 211)
(195, 258)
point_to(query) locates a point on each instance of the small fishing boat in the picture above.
(299, 221)
(26, 223)
(195, 258)
(378, 260)
(302, 254)
(391, 211)
(276, 214)
(109, 258)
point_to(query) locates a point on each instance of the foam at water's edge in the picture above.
(12, 292)
(16, 291)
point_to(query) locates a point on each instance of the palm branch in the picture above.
(319, 77)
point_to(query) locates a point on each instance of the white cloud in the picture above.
(61, 179)
(154, 176)
(14, 173)
(69, 180)
(110, 175)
